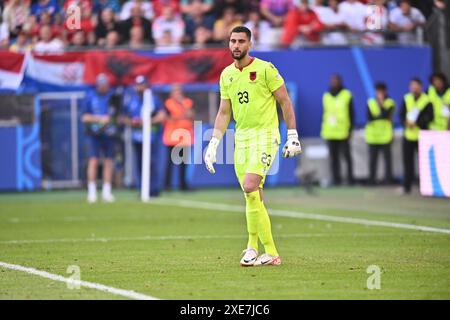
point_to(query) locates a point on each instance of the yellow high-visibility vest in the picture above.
(440, 122)
(412, 134)
(336, 115)
(379, 131)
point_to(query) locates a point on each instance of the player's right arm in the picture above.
(222, 119)
(220, 125)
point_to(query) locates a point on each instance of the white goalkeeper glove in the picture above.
(210, 154)
(292, 146)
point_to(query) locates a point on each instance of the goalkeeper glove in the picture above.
(292, 146)
(210, 154)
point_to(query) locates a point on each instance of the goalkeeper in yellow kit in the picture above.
(250, 88)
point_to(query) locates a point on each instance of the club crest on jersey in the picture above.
(253, 75)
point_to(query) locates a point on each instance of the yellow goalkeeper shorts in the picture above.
(254, 159)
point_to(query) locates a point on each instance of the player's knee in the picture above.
(249, 186)
(93, 161)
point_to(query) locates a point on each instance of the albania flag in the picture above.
(123, 66)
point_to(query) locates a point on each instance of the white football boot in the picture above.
(267, 260)
(108, 197)
(92, 198)
(249, 257)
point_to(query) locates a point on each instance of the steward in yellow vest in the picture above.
(337, 123)
(439, 95)
(379, 131)
(416, 114)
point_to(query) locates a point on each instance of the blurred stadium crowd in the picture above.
(49, 26)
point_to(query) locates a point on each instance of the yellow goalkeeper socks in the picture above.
(265, 231)
(252, 212)
(258, 223)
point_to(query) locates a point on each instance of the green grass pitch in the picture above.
(171, 250)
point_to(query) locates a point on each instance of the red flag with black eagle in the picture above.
(122, 67)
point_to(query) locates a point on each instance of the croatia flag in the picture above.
(12, 67)
(61, 70)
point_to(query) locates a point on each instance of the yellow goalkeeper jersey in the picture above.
(250, 91)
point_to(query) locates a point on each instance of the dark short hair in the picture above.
(417, 80)
(242, 29)
(380, 86)
(440, 76)
(337, 76)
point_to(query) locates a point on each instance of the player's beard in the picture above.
(242, 54)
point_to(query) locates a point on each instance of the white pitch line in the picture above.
(193, 237)
(297, 214)
(91, 285)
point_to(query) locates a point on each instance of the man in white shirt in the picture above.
(46, 43)
(168, 24)
(334, 22)
(146, 7)
(376, 21)
(405, 20)
(354, 13)
(261, 31)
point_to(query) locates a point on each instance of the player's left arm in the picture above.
(282, 96)
(292, 146)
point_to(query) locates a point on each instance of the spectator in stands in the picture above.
(51, 6)
(301, 21)
(168, 24)
(275, 11)
(334, 22)
(221, 5)
(46, 43)
(78, 41)
(136, 19)
(133, 102)
(112, 39)
(137, 40)
(203, 37)
(261, 37)
(22, 43)
(337, 125)
(178, 134)
(225, 24)
(146, 8)
(97, 118)
(195, 18)
(15, 16)
(379, 132)
(167, 44)
(87, 21)
(195, 7)
(44, 19)
(354, 13)
(4, 33)
(416, 113)
(439, 95)
(99, 5)
(405, 20)
(376, 21)
(106, 24)
(158, 6)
